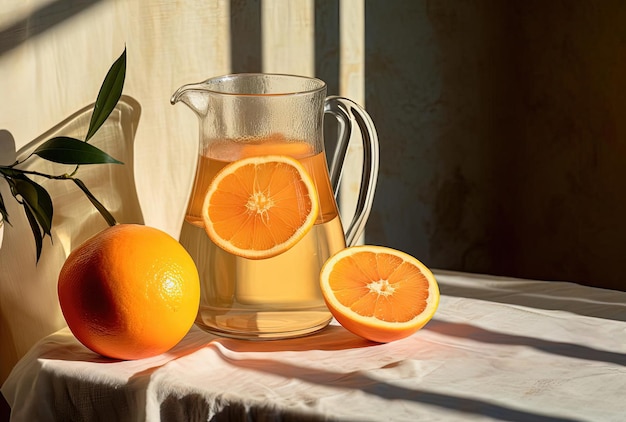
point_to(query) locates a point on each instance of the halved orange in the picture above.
(379, 293)
(259, 207)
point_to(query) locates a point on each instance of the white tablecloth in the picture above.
(497, 349)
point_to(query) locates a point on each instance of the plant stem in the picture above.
(47, 176)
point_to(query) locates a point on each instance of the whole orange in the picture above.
(129, 292)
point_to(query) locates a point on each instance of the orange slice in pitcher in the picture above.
(379, 293)
(259, 207)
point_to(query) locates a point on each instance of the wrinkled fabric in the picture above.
(497, 349)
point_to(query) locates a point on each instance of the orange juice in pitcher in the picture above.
(263, 295)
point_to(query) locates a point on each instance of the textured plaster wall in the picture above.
(503, 135)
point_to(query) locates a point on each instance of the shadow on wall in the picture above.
(503, 140)
(502, 137)
(39, 21)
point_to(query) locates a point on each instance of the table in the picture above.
(497, 349)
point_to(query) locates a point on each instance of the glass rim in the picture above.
(317, 85)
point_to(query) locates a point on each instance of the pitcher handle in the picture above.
(344, 111)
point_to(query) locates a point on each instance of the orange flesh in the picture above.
(380, 285)
(267, 200)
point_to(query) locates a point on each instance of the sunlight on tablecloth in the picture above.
(497, 349)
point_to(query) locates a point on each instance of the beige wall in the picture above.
(503, 136)
(54, 56)
(58, 58)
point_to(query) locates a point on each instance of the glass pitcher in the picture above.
(269, 114)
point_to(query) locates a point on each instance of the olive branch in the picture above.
(31, 195)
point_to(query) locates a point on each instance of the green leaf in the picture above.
(3, 211)
(38, 200)
(35, 229)
(8, 172)
(109, 95)
(103, 211)
(67, 150)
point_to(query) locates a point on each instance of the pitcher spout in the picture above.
(195, 96)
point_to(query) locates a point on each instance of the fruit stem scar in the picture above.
(381, 287)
